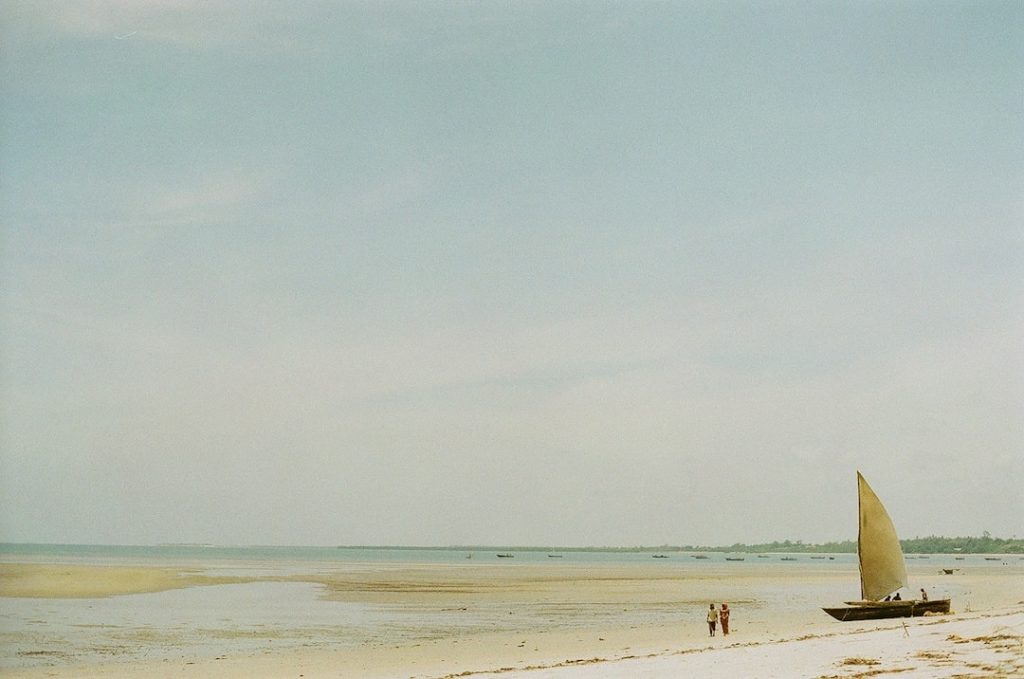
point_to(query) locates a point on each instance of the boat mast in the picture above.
(860, 530)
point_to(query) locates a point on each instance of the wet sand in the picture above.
(74, 581)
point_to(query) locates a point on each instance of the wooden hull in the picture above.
(878, 610)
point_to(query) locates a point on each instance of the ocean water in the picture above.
(272, 616)
(300, 558)
(432, 555)
(113, 554)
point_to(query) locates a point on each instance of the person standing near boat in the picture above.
(712, 620)
(723, 616)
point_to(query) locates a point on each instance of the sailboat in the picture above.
(882, 567)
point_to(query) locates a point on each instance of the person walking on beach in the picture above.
(924, 595)
(723, 616)
(712, 620)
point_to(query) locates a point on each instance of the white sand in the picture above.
(989, 645)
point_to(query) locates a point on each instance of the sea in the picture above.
(257, 617)
(212, 554)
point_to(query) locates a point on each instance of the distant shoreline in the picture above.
(930, 545)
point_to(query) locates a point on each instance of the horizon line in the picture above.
(664, 546)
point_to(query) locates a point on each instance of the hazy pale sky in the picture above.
(509, 273)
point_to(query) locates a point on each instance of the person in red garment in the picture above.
(723, 617)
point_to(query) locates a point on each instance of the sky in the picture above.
(509, 273)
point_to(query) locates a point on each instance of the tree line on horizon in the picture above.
(933, 544)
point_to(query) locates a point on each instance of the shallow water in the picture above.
(196, 621)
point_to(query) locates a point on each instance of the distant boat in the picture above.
(959, 558)
(734, 558)
(991, 558)
(949, 571)
(883, 569)
(817, 557)
(699, 556)
(505, 556)
(763, 556)
(554, 556)
(788, 558)
(659, 556)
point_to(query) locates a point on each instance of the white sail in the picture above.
(882, 568)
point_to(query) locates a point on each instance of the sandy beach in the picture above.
(530, 620)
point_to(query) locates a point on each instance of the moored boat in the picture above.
(878, 610)
(883, 569)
